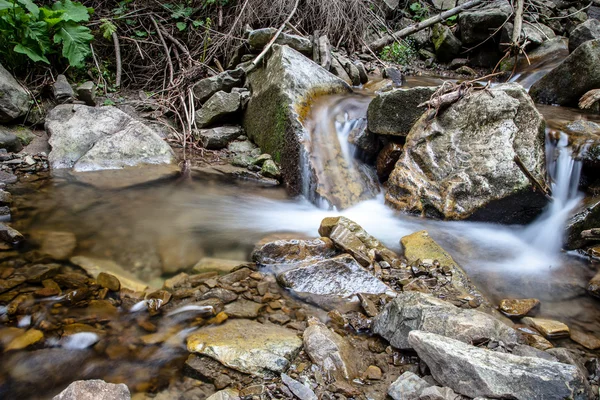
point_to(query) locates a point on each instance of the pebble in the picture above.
(373, 373)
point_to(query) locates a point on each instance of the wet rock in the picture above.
(386, 160)
(589, 30)
(474, 372)
(87, 92)
(537, 341)
(417, 311)
(94, 389)
(270, 170)
(208, 264)
(324, 52)
(446, 45)
(260, 37)
(221, 105)
(518, 307)
(247, 346)
(218, 137)
(366, 141)
(10, 235)
(39, 272)
(62, 90)
(14, 100)
(30, 337)
(551, 329)
(393, 74)
(235, 276)
(395, 112)
(94, 266)
(571, 79)
(439, 393)
(432, 178)
(225, 82)
(108, 281)
(594, 285)
(586, 216)
(331, 352)
(292, 251)
(338, 69)
(340, 276)
(227, 394)
(98, 138)
(587, 340)
(350, 69)
(179, 252)
(58, 245)
(477, 24)
(226, 296)
(243, 309)
(407, 386)
(9, 141)
(280, 93)
(301, 391)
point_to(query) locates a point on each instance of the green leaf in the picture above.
(38, 32)
(30, 6)
(415, 7)
(197, 23)
(75, 12)
(5, 5)
(181, 26)
(34, 54)
(141, 33)
(75, 40)
(51, 17)
(108, 28)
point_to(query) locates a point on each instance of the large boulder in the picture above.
(461, 164)
(476, 25)
(417, 311)
(225, 81)
(14, 100)
(589, 30)
(572, 78)
(91, 139)
(446, 45)
(257, 39)
(220, 106)
(476, 372)
(282, 92)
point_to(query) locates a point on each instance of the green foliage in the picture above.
(420, 12)
(38, 31)
(107, 28)
(399, 53)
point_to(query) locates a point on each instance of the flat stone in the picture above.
(10, 235)
(226, 296)
(94, 389)
(126, 177)
(243, 309)
(301, 391)
(292, 251)
(551, 329)
(222, 266)
(373, 373)
(247, 346)
(58, 245)
(587, 340)
(94, 266)
(408, 386)
(518, 307)
(30, 337)
(227, 394)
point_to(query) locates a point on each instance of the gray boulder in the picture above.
(395, 112)
(220, 106)
(90, 139)
(94, 389)
(225, 81)
(219, 137)
(408, 386)
(461, 165)
(586, 216)
(14, 99)
(446, 45)
(260, 37)
(417, 311)
(476, 25)
(9, 141)
(572, 78)
(589, 30)
(476, 372)
(280, 93)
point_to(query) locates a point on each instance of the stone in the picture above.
(325, 52)
(227, 394)
(99, 138)
(241, 146)
(331, 352)
(393, 74)
(108, 281)
(571, 79)
(39, 272)
(247, 346)
(281, 92)
(395, 112)
(62, 90)
(477, 24)
(589, 30)
(518, 307)
(444, 4)
(14, 99)
(386, 159)
(30, 337)
(366, 141)
(464, 70)
(219, 137)
(58, 245)
(438, 393)
(373, 373)
(222, 266)
(5, 197)
(292, 251)
(448, 163)
(226, 296)
(446, 45)
(338, 276)
(270, 170)
(587, 340)
(473, 371)
(9, 141)
(260, 37)
(418, 311)
(350, 69)
(94, 266)
(87, 92)
(301, 391)
(225, 82)
(584, 217)
(408, 386)
(362, 72)
(10, 235)
(551, 329)
(219, 106)
(338, 70)
(243, 309)
(94, 389)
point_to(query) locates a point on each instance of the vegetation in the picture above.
(399, 52)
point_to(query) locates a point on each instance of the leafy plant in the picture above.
(37, 32)
(419, 11)
(399, 53)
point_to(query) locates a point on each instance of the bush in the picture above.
(399, 53)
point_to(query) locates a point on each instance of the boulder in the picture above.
(476, 372)
(90, 139)
(572, 78)
(366, 141)
(586, 216)
(220, 106)
(9, 141)
(477, 24)
(589, 30)
(14, 99)
(408, 386)
(338, 69)
(94, 389)
(62, 90)
(281, 94)
(386, 160)
(395, 112)
(461, 164)
(446, 45)
(86, 92)
(260, 37)
(218, 137)
(411, 311)
(224, 82)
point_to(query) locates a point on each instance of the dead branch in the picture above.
(537, 184)
(589, 99)
(117, 45)
(166, 48)
(518, 23)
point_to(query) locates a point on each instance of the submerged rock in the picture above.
(417, 311)
(461, 164)
(95, 266)
(94, 389)
(475, 372)
(14, 100)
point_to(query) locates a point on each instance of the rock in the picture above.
(10, 235)
(108, 281)
(87, 92)
(241, 146)
(340, 276)
(218, 137)
(247, 346)
(280, 93)
(395, 112)
(222, 266)
(464, 70)
(224, 82)
(446, 45)
(219, 106)
(474, 372)
(350, 69)
(227, 394)
(549, 328)
(587, 340)
(446, 168)
(518, 307)
(9, 141)
(477, 24)
(292, 251)
(14, 99)
(243, 309)
(30, 337)
(62, 90)
(260, 37)
(407, 387)
(438, 393)
(373, 373)
(331, 352)
(444, 4)
(94, 389)
(325, 52)
(366, 141)
(571, 79)
(99, 138)
(58, 245)
(386, 160)
(338, 70)
(417, 311)
(301, 391)
(393, 74)
(270, 170)
(5, 197)
(589, 30)
(94, 266)
(362, 72)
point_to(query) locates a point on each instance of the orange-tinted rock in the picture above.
(518, 307)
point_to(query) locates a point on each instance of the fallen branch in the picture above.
(589, 99)
(537, 184)
(166, 48)
(381, 43)
(115, 39)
